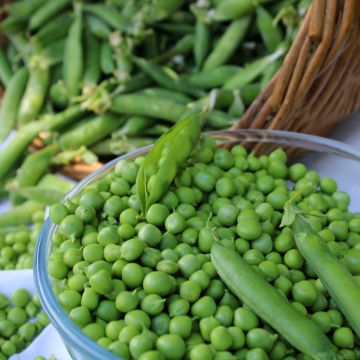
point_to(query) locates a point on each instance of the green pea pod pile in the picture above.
(107, 56)
(166, 158)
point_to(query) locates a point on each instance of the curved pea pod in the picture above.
(47, 11)
(145, 105)
(73, 56)
(167, 78)
(166, 157)
(252, 71)
(160, 9)
(35, 166)
(54, 30)
(134, 126)
(56, 182)
(98, 27)
(90, 130)
(31, 170)
(5, 68)
(228, 43)
(109, 14)
(11, 101)
(35, 92)
(335, 277)
(106, 58)
(92, 71)
(20, 215)
(265, 301)
(269, 31)
(10, 155)
(208, 79)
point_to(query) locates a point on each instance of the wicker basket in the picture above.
(318, 84)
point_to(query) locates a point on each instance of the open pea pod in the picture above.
(166, 157)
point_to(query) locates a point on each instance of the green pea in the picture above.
(207, 324)
(305, 292)
(201, 352)
(132, 275)
(351, 260)
(204, 180)
(157, 282)
(171, 346)
(179, 307)
(101, 282)
(108, 235)
(69, 299)
(140, 344)
(190, 290)
(175, 223)
(132, 249)
(188, 264)
(221, 339)
(17, 315)
(150, 234)
(153, 304)
(203, 307)
(57, 213)
(248, 229)
(80, 316)
(181, 325)
(260, 338)
(343, 337)
(245, 319)
(89, 299)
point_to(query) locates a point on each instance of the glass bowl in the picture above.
(330, 158)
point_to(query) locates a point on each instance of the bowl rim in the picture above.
(73, 335)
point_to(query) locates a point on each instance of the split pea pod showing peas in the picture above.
(252, 289)
(46, 12)
(335, 277)
(35, 91)
(90, 130)
(73, 54)
(11, 101)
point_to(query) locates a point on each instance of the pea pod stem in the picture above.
(269, 305)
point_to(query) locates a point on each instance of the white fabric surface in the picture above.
(49, 342)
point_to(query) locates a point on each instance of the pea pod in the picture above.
(166, 157)
(106, 58)
(166, 94)
(58, 94)
(12, 24)
(10, 155)
(234, 9)
(202, 42)
(181, 47)
(35, 166)
(166, 78)
(156, 130)
(135, 83)
(90, 130)
(20, 215)
(160, 9)
(45, 12)
(134, 126)
(228, 43)
(24, 8)
(251, 71)
(119, 146)
(176, 29)
(35, 92)
(208, 79)
(56, 182)
(250, 92)
(265, 301)
(270, 32)
(73, 55)
(335, 277)
(145, 105)
(109, 14)
(54, 30)
(54, 53)
(11, 101)
(98, 27)
(92, 70)
(40, 194)
(5, 68)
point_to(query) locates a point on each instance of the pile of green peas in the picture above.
(17, 245)
(143, 285)
(21, 319)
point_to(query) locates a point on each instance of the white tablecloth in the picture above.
(49, 342)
